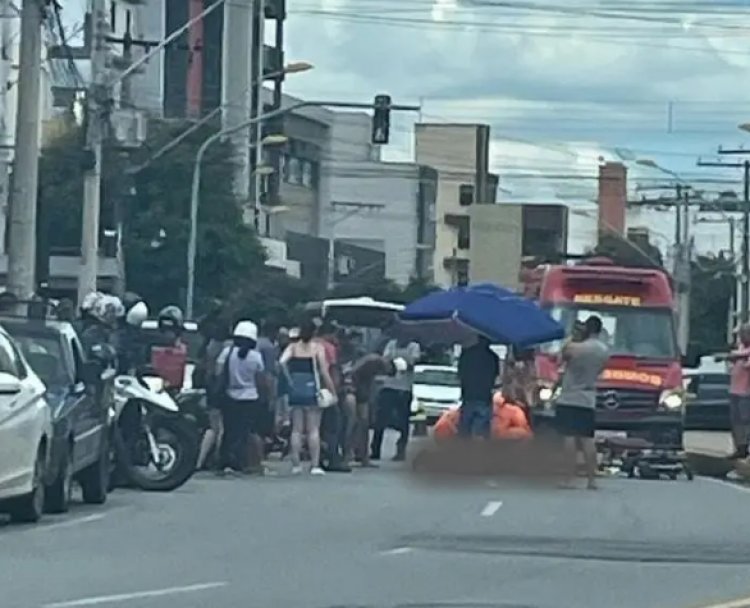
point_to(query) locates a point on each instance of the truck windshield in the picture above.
(639, 332)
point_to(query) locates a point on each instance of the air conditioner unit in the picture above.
(129, 127)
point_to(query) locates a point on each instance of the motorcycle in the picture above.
(156, 443)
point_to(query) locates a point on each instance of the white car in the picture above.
(437, 388)
(25, 435)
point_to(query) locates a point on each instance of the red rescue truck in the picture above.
(640, 392)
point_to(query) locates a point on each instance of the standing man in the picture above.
(478, 369)
(394, 399)
(575, 408)
(739, 393)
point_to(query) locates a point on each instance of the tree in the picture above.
(156, 218)
(627, 252)
(712, 288)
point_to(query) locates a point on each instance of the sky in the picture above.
(562, 83)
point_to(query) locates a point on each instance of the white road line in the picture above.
(727, 484)
(398, 551)
(739, 603)
(69, 523)
(137, 595)
(491, 508)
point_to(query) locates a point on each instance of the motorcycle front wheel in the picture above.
(177, 444)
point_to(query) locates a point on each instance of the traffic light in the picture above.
(381, 119)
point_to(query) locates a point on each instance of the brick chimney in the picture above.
(612, 199)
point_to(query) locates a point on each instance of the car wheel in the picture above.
(57, 495)
(94, 479)
(29, 508)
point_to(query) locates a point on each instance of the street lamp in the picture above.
(274, 139)
(295, 67)
(745, 126)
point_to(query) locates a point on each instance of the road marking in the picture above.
(727, 484)
(398, 551)
(491, 508)
(740, 603)
(137, 595)
(77, 521)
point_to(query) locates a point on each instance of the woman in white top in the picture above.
(239, 373)
(304, 363)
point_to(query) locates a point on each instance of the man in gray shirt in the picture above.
(575, 408)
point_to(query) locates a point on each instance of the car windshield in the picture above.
(437, 377)
(44, 354)
(639, 332)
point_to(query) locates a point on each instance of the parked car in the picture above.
(79, 394)
(437, 388)
(707, 402)
(25, 435)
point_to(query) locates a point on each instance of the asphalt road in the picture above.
(379, 538)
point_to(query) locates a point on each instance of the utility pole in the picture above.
(259, 47)
(97, 107)
(22, 237)
(745, 257)
(683, 270)
(236, 81)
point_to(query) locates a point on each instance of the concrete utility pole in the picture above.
(683, 270)
(745, 257)
(22, 238)
(236, 95)
(97, 101)
(6, 36)
(257, 81)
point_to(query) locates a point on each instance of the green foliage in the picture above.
(156, 219)
(385, 291)
(628, 253)
(711, 291)
(157, 223)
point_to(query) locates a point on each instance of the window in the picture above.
(465, 195)
(630, 331)
(284, 167)
(8, 358)
(307, 173)
(295, 171)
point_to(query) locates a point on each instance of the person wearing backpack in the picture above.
(241, 389)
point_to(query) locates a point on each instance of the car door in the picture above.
(19, 423)
(89, 424)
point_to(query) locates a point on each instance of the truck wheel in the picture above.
(29, 508)
(57, 494)
(94, 479)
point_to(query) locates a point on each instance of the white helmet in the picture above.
(90, 301)
(137, 314)
(108, 309)
(246, 329)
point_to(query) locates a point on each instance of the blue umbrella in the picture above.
(496, 312)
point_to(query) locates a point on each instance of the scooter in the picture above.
(155, 443)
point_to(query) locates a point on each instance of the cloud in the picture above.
(645, 76)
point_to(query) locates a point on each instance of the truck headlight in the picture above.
(671, 400)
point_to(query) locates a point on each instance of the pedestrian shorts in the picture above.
(575, 421)
(739, 409)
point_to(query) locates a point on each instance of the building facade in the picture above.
(459, 154)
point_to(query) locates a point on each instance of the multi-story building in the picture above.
(459, 153)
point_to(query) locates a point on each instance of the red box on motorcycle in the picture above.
(170, 363)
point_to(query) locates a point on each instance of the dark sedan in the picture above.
(80, 398)
(707, 406)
